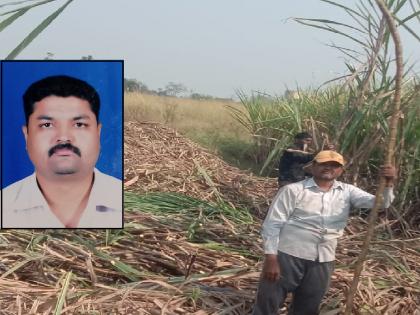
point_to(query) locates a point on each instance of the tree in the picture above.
(133, 85)
(198, 96)
(174, 89)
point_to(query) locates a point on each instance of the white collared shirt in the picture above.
(24, 205)
(305, 222)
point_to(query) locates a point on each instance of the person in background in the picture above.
(300, 234)
(294, 158)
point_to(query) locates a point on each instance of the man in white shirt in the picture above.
(62, 135)
(300, 235)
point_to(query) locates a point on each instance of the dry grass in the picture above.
(187, 116)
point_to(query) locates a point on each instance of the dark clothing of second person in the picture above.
(291, 165)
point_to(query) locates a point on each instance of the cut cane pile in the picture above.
(190, 246)
(158, 159)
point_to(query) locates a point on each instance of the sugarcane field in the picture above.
(304, 201)
(186, 248)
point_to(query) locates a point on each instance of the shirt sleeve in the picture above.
(278, 214)
(362, 199)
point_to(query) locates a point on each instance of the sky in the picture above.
(213, 47)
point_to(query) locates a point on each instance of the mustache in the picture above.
(67, 146)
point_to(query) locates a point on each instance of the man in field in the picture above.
(300, 234)
(294, 158)
(62, 135)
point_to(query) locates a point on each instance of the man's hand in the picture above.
(271, 268)
(389, 172)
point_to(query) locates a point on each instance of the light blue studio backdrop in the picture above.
(105, 76)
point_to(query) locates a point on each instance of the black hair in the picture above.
(60, 85)
(302, 135)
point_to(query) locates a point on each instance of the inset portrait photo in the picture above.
(61, 144)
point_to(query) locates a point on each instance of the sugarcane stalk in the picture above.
(388, 154)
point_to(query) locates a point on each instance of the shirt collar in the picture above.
(99, 195)
(310, 182)
(33, 196)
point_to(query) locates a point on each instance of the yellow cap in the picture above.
(329, 156)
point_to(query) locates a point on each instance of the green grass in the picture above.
(237, 152)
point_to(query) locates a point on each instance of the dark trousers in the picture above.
(307, 280)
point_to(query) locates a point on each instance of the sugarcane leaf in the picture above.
(408, 18)
(408, 29)
(128, 271)
(27, 7)
(62, 297)
(342, 6)
(11, 19)
(28, 39)
(19, 265)
(333, 22)
(347, 51)
(413, 7)
(330, 29)
(398, 7)
(15, 3)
